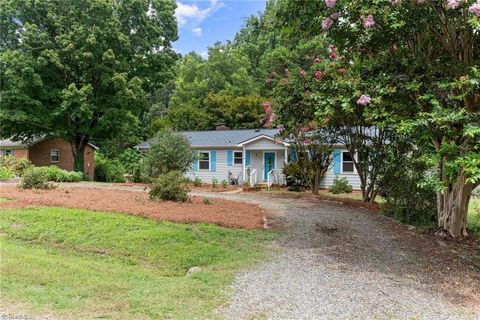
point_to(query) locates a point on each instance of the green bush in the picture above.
(214, 182)
(132, 162)
(34, 179)
(294, 176)
(54, 173)
(340, 185)
(16, 165)
(197, 182)
(170, 186)
(224, 183)
(108, 170)
(206, 201)
(6, 173)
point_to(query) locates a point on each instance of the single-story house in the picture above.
(254, 156)
(49, 151)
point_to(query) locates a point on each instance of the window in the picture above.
(7, 152)
(237, 157)
(54, 155)
(204, 160)
(347, 162)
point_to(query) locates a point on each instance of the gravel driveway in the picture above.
(341, 262)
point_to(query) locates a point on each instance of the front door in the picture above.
(269, 163)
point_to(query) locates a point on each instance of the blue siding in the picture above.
(247, 158)
(213, 160)
(337, 162)
(229, 158)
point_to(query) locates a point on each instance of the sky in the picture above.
(203, 22)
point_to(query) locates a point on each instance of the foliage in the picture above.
(206, 201)
(169, 151)
(34, 179)
(473, 218)
(108, 170)
(214, 182)
(197, 182)
(170, 186)
(17, 165)
(6, 173)
(148, 257)
(340, 185)
(132, 161)
(224, 183)
(83, 70)
(294, 176)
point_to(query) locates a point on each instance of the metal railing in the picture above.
(276, 177)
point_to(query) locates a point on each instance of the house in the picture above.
(254, 156)
(49, 151)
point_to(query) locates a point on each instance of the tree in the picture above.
(430, 84)
(82, 70)
(169, 151)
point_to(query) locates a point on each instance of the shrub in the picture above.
(224, 183)
(197, 182)
(170, 186)
(294, 176)
(6, 173)
(340, 185)
(108, 170)
(206, 201)
(34, 178)
(17, 165)
(214, 182)
(132, 162)
(168, 151)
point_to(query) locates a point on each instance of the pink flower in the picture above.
(330, 3)
(332, 48)
(301, 73)
(281, 127)
(316, 60)
(341, 70)
(307, 141)
(335, 15)
(369, 22)
(318, 74)
(364, 100)
(475, 9)
(267, 107)
(333, 55)
(452, 4)
(420, 1)
(395, 2)
(327, 23)
(286, 71)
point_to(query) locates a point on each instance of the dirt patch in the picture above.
(222, 212)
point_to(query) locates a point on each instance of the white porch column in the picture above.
(286, 155)
(244, 158)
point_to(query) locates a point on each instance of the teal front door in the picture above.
(269, 163)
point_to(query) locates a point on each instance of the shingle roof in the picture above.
(10, 143)
(219, 138)
(28, 143)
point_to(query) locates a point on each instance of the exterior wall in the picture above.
(221, 170)
(18, 152)
(352, 177)
(39, 155)
(257, 161)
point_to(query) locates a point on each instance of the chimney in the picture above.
(222, 127)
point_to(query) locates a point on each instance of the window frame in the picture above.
(203, 160)
(4, 152)
(352, 162)
(237, 158)
(51, 155)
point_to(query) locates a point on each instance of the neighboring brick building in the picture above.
(49, 151)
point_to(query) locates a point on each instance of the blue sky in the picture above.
(203, 22)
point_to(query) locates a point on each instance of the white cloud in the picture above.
(197, 31)
(186, 12)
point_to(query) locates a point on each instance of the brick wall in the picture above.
(20, 153)
(39, 155)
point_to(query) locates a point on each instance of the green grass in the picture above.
(86, 264)
(473, 219)
(3, 200)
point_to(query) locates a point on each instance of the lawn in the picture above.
(473, 220)
(77, 263)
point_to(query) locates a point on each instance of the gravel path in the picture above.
(341, 262)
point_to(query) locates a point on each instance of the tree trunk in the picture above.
(453, 207)
(78, 151)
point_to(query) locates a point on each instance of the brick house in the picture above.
(49, 151)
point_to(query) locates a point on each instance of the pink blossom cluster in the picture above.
(475, 9)
(453, 4)
(330, 3)
(420, 1)
(369, 21)
(364, 100)
(335, 15)
(301, 73)
(318, 74)
(327, 23)
(395, 2)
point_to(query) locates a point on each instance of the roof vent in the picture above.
(222, 127)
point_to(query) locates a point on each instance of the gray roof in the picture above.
(219, 138)
(11, 143)
(29, 142)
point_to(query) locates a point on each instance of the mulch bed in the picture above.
(221, 212)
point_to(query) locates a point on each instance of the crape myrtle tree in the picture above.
(315, 86)
(82, 69)
(431, 80)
